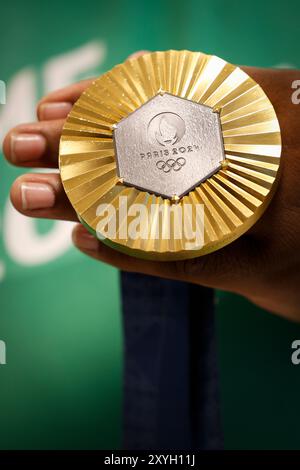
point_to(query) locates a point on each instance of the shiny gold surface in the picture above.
(234, 198)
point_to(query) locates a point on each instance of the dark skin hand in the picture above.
(263, 265)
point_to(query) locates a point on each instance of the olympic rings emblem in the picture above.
(171, 164)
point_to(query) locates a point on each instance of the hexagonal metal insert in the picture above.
(169, 145)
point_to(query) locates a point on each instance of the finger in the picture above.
(91, 246)
(41, 195)
(61, 101)
(50, 111)
(34, 145)
(224, 269)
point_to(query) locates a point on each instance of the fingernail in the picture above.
(86, 241)
(48, 111)
(27, 147)
(37, 196)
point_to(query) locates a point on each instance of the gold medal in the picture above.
(171, 155)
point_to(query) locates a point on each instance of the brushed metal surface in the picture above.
(168, 146)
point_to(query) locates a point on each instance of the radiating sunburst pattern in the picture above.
(233, 198)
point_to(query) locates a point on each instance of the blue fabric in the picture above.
(171, 385)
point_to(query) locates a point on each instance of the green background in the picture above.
(60, 313)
